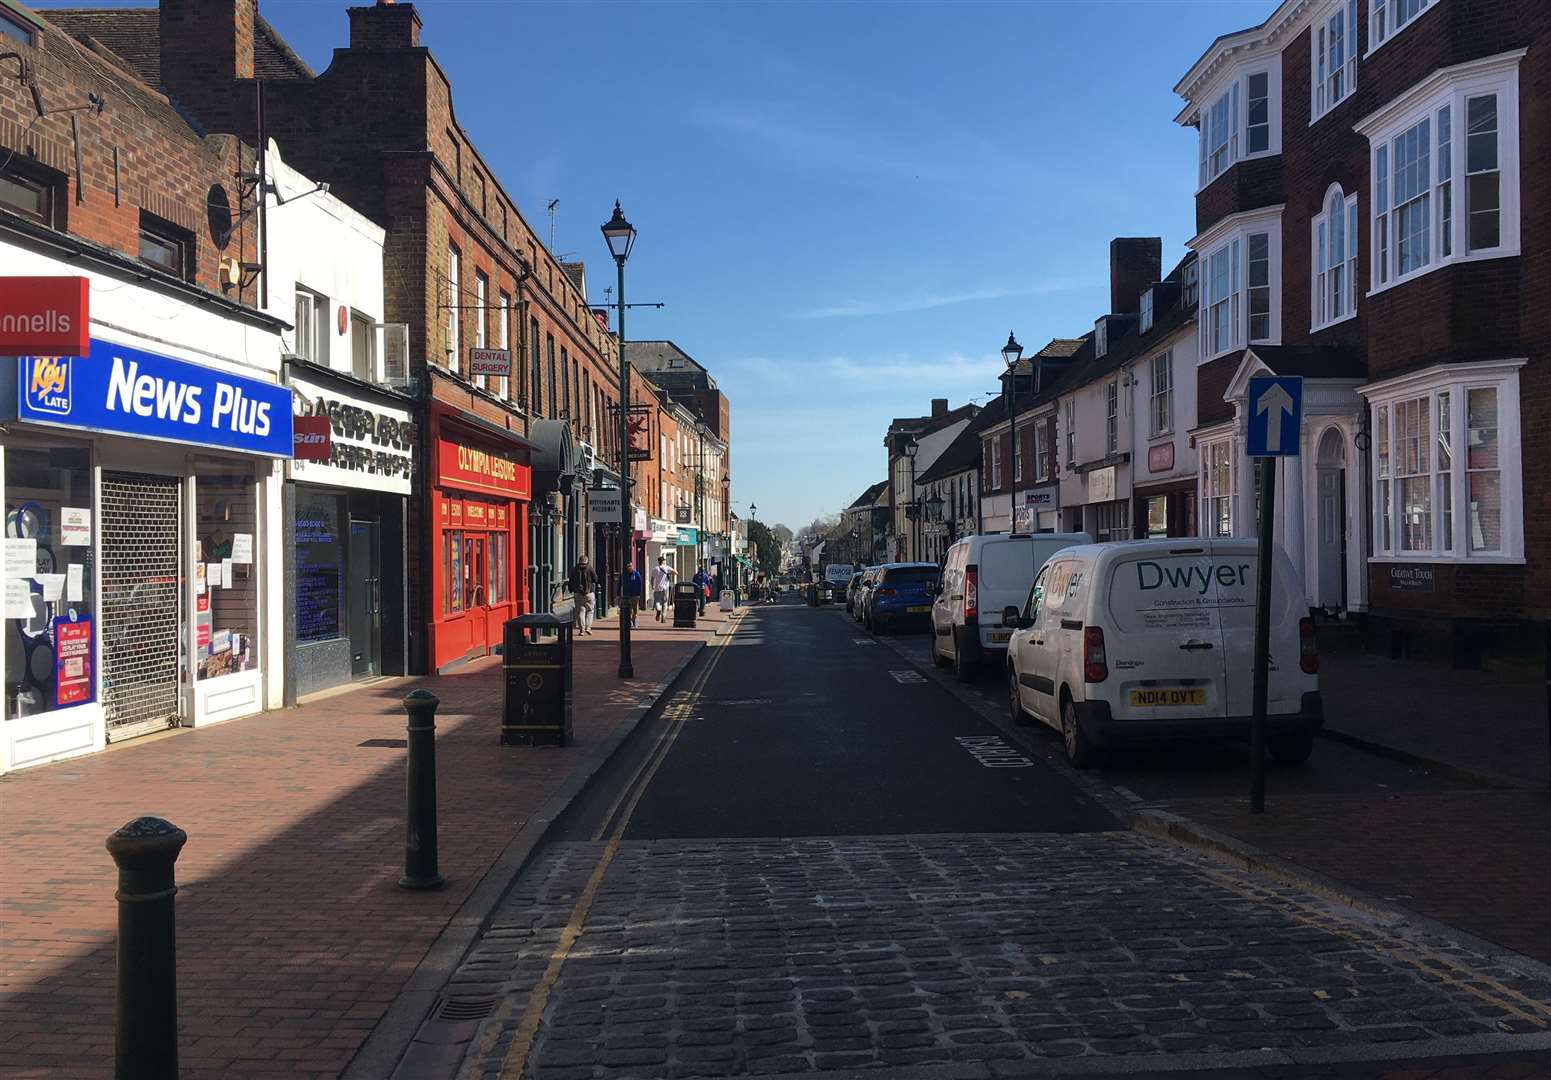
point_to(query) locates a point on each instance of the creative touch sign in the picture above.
(126, 391)
(370, 445)
(44, 315)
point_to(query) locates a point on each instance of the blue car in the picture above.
(899, 595)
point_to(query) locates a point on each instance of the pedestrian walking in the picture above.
(702, 582)
(662, 581)
(630, 589)
(582, 584)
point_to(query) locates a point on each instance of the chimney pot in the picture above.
(385, 25)
(939, 407)
(1135, 262)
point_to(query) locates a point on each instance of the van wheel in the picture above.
(1079, 751)
(1292, 749)
(963, 670)
(1019, 715)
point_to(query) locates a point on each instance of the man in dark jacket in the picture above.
(582, 582)
(631, 590)
(702, 582)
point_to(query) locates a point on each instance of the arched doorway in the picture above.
(1330, 483)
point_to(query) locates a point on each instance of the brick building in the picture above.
(1373, 215)
(463, 270)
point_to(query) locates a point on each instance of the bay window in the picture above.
(1240, 286)
(1335, 259)
(1419, 147)
(1242, 121)
(1335, 56)
(1430, 499)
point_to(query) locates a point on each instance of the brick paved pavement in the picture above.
(293, 938)
(754, 957)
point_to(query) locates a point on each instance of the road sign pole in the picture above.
(1257, 724)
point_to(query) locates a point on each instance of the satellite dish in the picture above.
(219, 209)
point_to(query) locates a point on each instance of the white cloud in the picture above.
(853, 308)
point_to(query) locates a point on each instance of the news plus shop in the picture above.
(141, 506)
(482, 484)
(345, 558)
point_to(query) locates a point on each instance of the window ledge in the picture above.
(1315, 328)
(1462, 560)
(1166, 433)
(1315, 117)
(1512, 252)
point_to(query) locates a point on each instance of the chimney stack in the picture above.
(1135, 262)
(206, 46)
(939, 407)
(385, 25)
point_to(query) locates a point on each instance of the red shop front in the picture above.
(479, 523)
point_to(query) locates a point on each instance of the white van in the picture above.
(986, 572)
(1147, 640)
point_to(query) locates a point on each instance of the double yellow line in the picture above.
(677, 713)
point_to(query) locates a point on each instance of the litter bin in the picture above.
(686, 601)
(729, 600)
(536, 693)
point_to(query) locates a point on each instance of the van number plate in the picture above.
(1176, 695)
(1000, 637)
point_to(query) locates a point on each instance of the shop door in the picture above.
(365, 598)
(142, 602)
(476, 597)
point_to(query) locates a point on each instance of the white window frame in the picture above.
(1070, 408)
(1334, 280)
(1144, 319)
(481, 301)
(1224, 121)
(1447, 148)
(1017, 458)
(1100, 337)
(454, 359)
(1223, 254)
(996, 462)
(1220, 452)
(1381, 21)
(1160, 402)
(504, 340)
(1112, 417)
(1449, 505)
(312, 311)
(1332, 83)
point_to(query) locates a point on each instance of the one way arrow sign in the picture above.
(1275, 415)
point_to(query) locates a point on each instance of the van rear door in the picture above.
(1284, 679)
(1165, 645)
(1004, 574)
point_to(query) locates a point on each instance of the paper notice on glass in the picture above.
(226, 573)
(18, 598)
(53, 587)
(199, 579)
(213, 575)
(74, 580)
(242, 548)
(21, 559)
(75, 526)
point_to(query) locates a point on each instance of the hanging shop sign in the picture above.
(604, 505)
(638, 425)
(369, 444)
(681, 515)
(481, 468)
(311, 439)
(124, 391)
(44, 315)
(490, 362)
(1160, 458)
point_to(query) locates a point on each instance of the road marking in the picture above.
(993, 752)
(908, 676)
(863, 641)
(677, 712)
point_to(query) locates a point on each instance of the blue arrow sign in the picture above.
(1275, 415)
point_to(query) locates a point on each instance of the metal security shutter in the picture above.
(141, 601)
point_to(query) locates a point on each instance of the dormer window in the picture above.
(1335, 57)
(1100, 338)
(1240, 122)
(1144, 323)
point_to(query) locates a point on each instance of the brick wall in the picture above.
(1212, 381)
(1245, 185)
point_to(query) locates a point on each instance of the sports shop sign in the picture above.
(373, 445)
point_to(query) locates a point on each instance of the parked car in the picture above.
(863, 587)
(1146, 640)
(901, 594)
(856, 580)
(985, 573)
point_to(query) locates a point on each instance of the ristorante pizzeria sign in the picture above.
(481, 468)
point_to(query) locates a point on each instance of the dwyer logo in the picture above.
(48, 390)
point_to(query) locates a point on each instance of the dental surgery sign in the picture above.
(124, 391)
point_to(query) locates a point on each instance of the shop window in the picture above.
(1157, 517)
(499, 563)
(320, 567)
(452, 573)
(165, 246)
(1113, 520)
(50, 618)
(226, 541)
(474, 570)
(1217, 487)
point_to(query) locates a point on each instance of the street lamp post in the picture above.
(912, 513)
(620, 235)
(1012, 352)
(700, 430)
(934, 513)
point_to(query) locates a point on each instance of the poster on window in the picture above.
(72, 661)
(320, 559)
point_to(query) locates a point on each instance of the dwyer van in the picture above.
(1151, 640)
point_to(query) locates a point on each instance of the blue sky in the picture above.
(845, 207)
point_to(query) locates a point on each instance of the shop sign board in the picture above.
(1101, 484)
(124, 391)
(1160, 458)
(688, 537)
(1411, 579)
(370, 445)
(44, 315)
(490, 362)
(681, 515)
(312, 439)
(604, 505)
(1042, 498)
(481, 468)
(638, 425)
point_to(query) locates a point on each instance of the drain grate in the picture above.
(460, 1009)
(385, 742)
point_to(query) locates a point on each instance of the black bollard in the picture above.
(145, 1011)
(420, 794)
